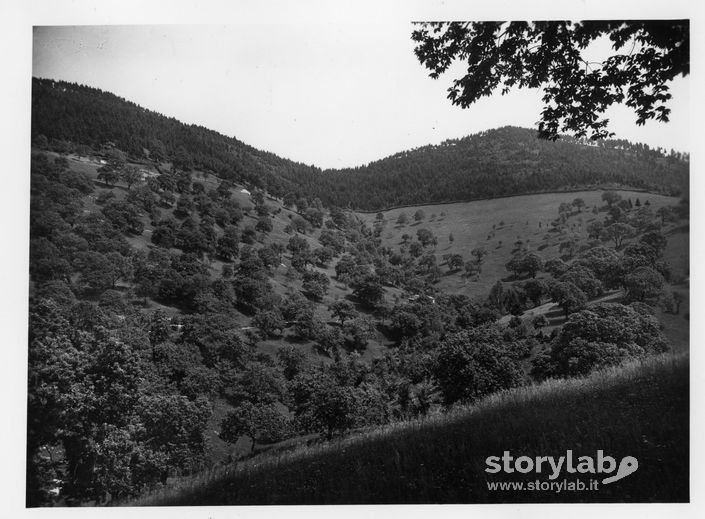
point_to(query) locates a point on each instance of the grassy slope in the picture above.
(640, 409)
(471, 223)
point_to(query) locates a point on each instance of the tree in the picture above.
(576, 92)
(540, 321)
(666, 213)
(323, 256)
(415, 249)
(228, 245)
(583, 278)
(419, 215)
(479, 253)
(656, 240)
(289, 200)
(605, 263)
(330, 407)
(343, 310)
(594, 229)
(249, 235)
(368, 290)
(315, 284)
(455, 262)
(565, 209)
(569, 297)
(611, 197)
(264, 224)
(260, 423)
(525, 262)
(604, 335)
(315, 216)
(109, 175)
(292, 361)
(130, 175)
(359, 330)
(617, 232)
(474, 363)
(124, 216)
(403, 219)
(535, 290)
(425, 237)
(643, 284)
(578, 203)
(297, 244)
(269, 322)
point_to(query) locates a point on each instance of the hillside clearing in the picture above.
(498, 223)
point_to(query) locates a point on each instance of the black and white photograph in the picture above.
(404, 258)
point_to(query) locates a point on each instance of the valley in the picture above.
(196, 303)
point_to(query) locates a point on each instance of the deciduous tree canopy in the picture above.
(576, 92)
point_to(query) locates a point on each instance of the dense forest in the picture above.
(501, 162)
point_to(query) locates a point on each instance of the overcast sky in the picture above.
(332, 95)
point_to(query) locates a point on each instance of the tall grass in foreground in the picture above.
(640, 409)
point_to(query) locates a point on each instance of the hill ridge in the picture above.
(499, 162)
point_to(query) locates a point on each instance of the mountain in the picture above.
(501, 162)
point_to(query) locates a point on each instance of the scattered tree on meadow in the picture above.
(315, 284)
(343, 310)
(260, 423)
(479, 253)
(611, 197)
(426, 237)
(525, 262)
(454, 261)
(368, 290)
(130, 175)
(264, 224)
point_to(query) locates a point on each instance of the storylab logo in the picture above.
(597, 466)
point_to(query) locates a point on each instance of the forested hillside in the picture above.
(75, 116)
(501, 162)
(180, 321)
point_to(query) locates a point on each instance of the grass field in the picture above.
(528, 217)
(498, 223)
(639, 409)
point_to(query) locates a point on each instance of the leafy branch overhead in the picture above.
(576, 92)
